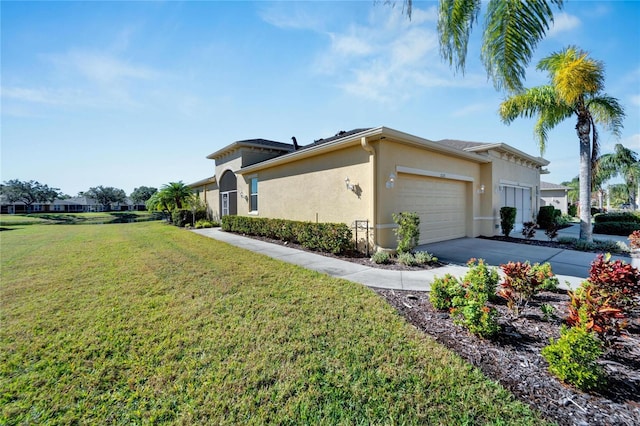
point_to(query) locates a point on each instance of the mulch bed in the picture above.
(513, 358)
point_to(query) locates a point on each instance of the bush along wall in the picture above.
(546, 216)
(183, 217)
(325, 237)
(507, 219)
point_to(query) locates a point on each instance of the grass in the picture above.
(73, 218)
(148, 323)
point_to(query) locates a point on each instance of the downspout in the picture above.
(374, 209)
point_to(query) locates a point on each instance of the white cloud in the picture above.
(473, 109)
(563, 22)
(389, 57)
(101, 67)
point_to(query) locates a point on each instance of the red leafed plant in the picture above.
(594, 313)
(615, 280)
(520, 283)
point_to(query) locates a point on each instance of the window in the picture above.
(253, 197)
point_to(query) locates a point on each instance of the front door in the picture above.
(225, 203)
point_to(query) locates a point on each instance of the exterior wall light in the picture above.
(348, 183)
(481, 189)
(392, 181)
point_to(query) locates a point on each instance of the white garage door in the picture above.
(520, 198)
(440, 203)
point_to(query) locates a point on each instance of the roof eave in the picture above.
(204, 181)
(380, 132)
(508, 148)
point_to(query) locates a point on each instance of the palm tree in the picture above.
(575, 88)
(622, 162)
(511, 33)
(177, 192)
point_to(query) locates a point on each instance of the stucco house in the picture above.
(361, 177)
(554, 195)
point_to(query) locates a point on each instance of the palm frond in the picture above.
(608, 112)
(574, 73)
(511, 33)
(455, 22)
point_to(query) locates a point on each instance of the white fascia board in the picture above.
(205, 181)
(508, 148)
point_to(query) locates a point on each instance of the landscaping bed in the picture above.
(513, 358)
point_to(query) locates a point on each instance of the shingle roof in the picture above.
(267, 142)
(549, 185)
(341, 134)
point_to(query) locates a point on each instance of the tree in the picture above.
(142, 194)
(512, 30)
(574, 189)
(28, 192)
(106, 195)
(575, 88)
(177, 192)
(622, 162)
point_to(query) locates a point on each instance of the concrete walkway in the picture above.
(570, 266)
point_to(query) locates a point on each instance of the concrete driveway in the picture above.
(563, 262)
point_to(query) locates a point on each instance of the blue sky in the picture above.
(127, 94)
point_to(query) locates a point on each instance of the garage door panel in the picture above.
(440, 204)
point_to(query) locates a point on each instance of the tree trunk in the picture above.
(583, 128)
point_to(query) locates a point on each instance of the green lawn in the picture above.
(148, 323)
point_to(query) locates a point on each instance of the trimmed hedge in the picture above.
(617, 217)
(507, 219)
(326, 237)
(615, 228)
(546, 216)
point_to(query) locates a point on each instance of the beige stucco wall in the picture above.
(509, 171)
(313, 189)
(209, 195)
(556, 198)
(394, 156)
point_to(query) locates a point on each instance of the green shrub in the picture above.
(182, 217)
(481, 279)
(478, 318)
(595, 210)
(617, 217)
(203, 223)
(408, 231)
(507, 219)
(550, 282)
(406, 259)
(467, 299)
(567, 240)
(572, 210)
(546, 216)
(424, 258)
(326, 237)
(381, 257)
(584, 245)
(572, 358)
(615, 228)
(445, 290)
(610, 246)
